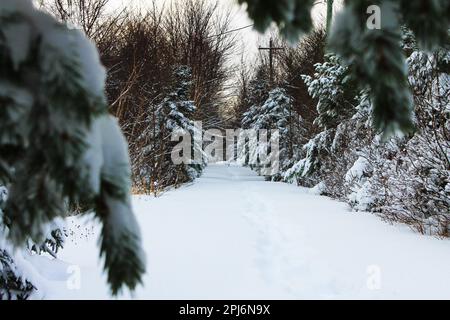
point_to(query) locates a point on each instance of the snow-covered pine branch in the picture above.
(60, 149)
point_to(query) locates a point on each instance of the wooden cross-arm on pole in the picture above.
(271, 49)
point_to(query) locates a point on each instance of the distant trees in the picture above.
(300, 112)
(253, 91)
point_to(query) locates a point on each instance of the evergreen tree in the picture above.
(256, 94)
(174, 114)
(17, 274)
(59, 148)
(337, 95)
(13, 283)
(275, 113)
(403, 179)
(428, 20)
(335, 90)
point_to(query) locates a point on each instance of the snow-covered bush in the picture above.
(59, 148)
(410, 176)
(356, 181)
(306, 171)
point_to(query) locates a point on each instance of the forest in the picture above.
(91, 96)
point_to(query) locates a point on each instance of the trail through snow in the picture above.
(232, 235)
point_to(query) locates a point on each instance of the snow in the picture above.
(232, 235)
(92, 70)
(318, 189)
(361, 197)
(357, 170)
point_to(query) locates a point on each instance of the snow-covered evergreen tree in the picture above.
(257, 94)
(338, 100)
(335, 90)
(174, 114)
(18, 276)
(376, 56)
(13, 283)
(59, 148)
(275, 113)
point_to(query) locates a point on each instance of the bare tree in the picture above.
(86, 14)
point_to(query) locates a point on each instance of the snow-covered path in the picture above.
(231, 235)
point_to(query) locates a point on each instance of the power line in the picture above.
(232, 30)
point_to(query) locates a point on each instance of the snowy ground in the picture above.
(231, 235)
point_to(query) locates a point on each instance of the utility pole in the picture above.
(271, 49)
(329, 15)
